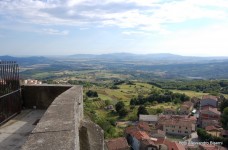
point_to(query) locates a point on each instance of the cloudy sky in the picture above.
(65, 27)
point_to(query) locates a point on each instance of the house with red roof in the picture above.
(209, 100)
(136, 137)
(186, 108)
(209, 116)
(165, 144)
(178, 124)
(117, 144)
(224, 133)
(210, 147)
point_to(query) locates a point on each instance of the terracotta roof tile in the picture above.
(211, 128)
(224, 132)
(187, 104)
(143, 126)
(211, 109)
(209, 147)
(117, 144)
(131, 129)
(209, 97)
(140, 135)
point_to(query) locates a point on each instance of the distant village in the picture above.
(151, 131)
(30, 82)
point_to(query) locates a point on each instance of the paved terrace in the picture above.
(14, 133)
(62, 126)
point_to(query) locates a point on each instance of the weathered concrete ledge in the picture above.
(58, 128)
(41, 96)
(63, 127)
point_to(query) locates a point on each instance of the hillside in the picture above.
(139, 67)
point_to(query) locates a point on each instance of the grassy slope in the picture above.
(125, 93)
(193, 93)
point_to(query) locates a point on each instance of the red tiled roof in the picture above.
(148, 142)
(171, 145)
(187, 104)
(224, 132)
(193, 118)
(209, 97)
(144, 126)
(131, 129)
(140, 135)
(141, 126)
(214, 110)
(211, 128)
(158, 132)
(209, 147)
(176, 120)
(117, 144)
(159, 141)
(207, 106)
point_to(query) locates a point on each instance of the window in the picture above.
(186, 127)
(179, 127)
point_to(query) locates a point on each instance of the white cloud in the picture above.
(55, 32)
(134, 32)
(146, 15)
(211, 40)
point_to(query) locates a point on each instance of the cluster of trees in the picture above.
(120, 109)
(91, 93)
(119, 82)
(204, 136)
(142, 110)
(224, 118)
(206, 86)
(223, 104)
(108, 126)
(167, 96)
(78, 82)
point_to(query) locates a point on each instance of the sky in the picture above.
(67, 27)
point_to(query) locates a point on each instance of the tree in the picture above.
(224, 118)
(133, 101)
(91, 93)
(223, 104)
(119, 106)
(159, 110)
(107, 102)
(142, 110)
(123, 112)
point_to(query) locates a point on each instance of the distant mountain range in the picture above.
(26, 60)
(140, 66)
(160, 57)
(154, 58)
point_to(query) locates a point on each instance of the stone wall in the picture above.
(63, 125)
(41, 96)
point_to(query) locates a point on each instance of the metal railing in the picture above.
(10, 102)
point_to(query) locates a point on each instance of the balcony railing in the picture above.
(10, 103)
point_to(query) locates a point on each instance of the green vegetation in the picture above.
(223, 104)
(204, 136)
(120, 98)
(160, 97)
(224, 118)
(206, 86)
(120, 109)
(91, 93)
(142, 110)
